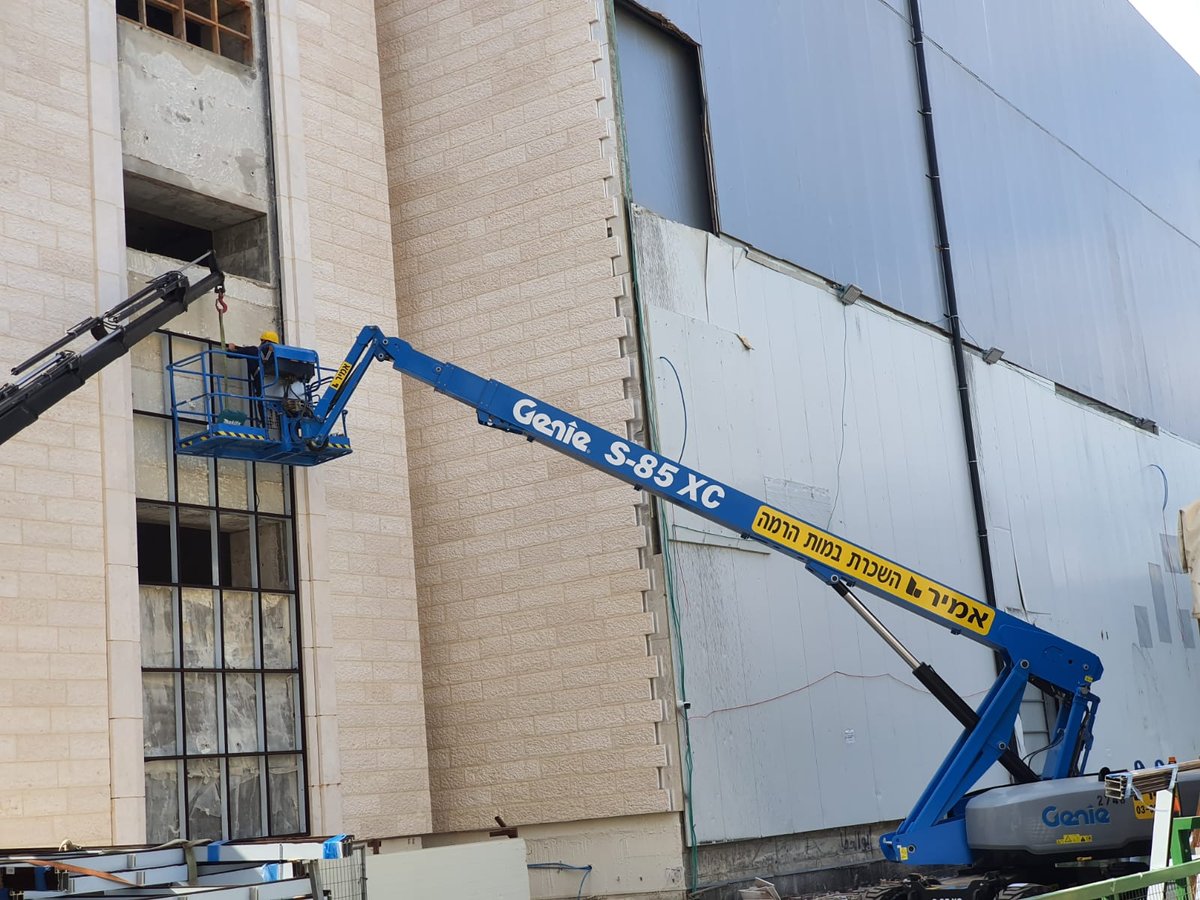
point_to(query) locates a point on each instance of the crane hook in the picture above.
(222, 308)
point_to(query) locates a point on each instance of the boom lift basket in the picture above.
(251, 405)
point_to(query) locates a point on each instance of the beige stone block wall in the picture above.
(638, 857)
(54, 728)
(530, 567)
(360, 558)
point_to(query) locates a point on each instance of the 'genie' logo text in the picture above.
(1069, 818)
(524, 411)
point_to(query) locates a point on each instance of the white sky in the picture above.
(1178, 21)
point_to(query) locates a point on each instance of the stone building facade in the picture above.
(463, 626)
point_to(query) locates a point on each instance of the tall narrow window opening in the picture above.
(223, 733)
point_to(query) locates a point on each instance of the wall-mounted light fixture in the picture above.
(992, 355)
(848, 293)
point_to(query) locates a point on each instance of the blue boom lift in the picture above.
(1011, 834)
(276, 403)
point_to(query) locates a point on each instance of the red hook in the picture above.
(222, 306)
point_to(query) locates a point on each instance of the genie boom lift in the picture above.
(1010, 841)
(1053, 827)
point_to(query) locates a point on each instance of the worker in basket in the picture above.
(274, 378)
(254, 355)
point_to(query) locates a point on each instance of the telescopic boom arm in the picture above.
(934, 831)
(55, 372)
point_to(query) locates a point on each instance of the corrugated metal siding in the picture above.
(801, 718)
(1079, 503)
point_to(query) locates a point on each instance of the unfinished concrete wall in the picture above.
(54, 733)
(253, 308)
(531, 569)
(191, 119)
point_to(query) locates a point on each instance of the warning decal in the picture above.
(866, 568)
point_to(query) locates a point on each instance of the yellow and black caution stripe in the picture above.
(209, 435)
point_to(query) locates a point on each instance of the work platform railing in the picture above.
(244, 404)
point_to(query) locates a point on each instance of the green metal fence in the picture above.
(1181, 838)
(1171, 883)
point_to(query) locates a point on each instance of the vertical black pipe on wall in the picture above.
(956, 341)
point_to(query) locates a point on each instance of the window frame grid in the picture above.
(181, 16)
(259, 669)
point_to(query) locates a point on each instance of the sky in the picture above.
(1178, 21)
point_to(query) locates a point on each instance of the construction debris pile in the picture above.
(221, 870)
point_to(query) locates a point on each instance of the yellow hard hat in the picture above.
(271, 336)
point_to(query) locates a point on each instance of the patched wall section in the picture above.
(181, 103)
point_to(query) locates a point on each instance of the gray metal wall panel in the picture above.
(801, 718)
(1068, 273)
(685, 14)
(816, 141)
(664, 121)
(1078, 503)
(1067, 136)
(1096, 76)
(790, 694)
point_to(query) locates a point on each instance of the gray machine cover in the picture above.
(1069, 817)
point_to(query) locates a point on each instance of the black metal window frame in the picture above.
(259, 670)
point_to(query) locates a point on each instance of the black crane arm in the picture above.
(54, 372)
